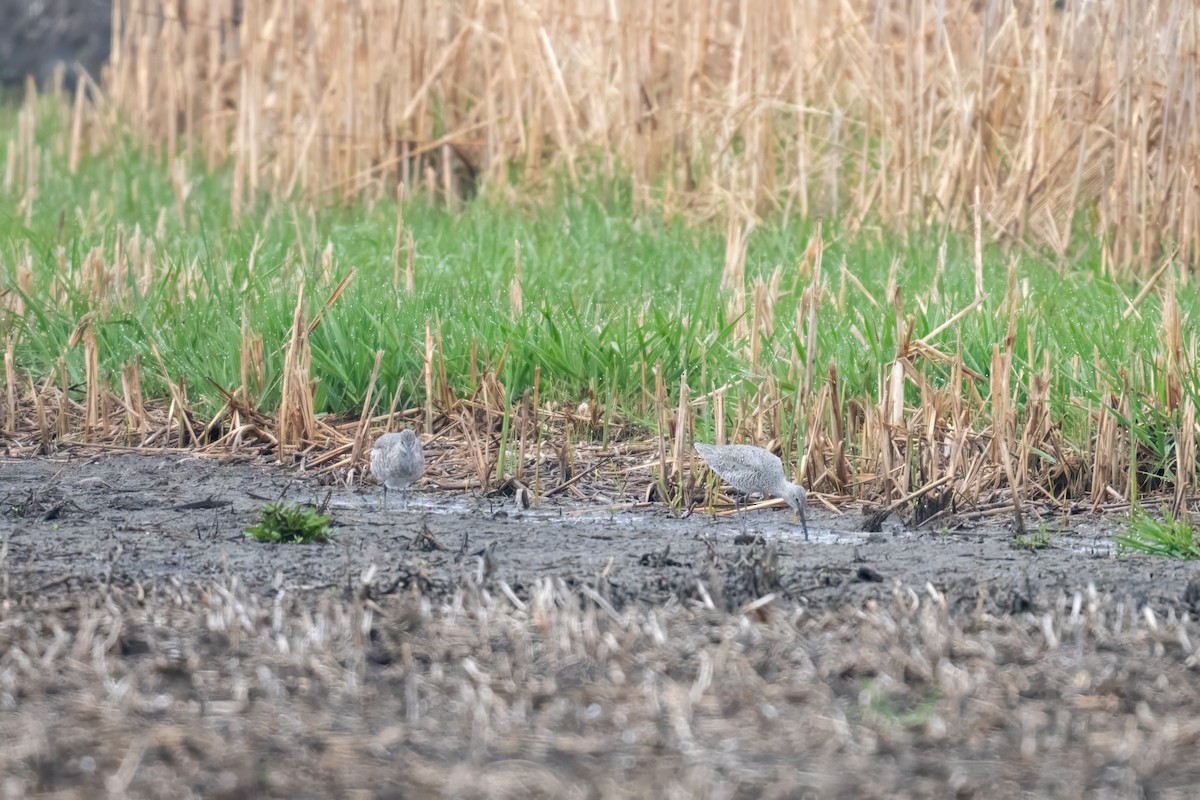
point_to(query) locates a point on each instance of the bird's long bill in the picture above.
(803, 523)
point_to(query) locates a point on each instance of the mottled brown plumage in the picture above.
(397, 461)
(748, 468)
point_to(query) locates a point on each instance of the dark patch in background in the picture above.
(37, 35)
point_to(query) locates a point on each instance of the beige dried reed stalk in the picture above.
(131, 393)
(683, 435)
(814, 296)
(179, 411)
(43, 419)
(1185, 459)
(1038, 423)
(515, 303)
(445, 391)
(297, 418)
(427, 370)
(76, 127)
(251, 364)
(662, 423)
(10, 385)
(719, 418)
(410, 283)
(1109, 452)
(761, 313)
(1171, 362)
(391, 416)
(83, 333)
(327, 262)
(93, 388)
(737, 238)
(360, 437)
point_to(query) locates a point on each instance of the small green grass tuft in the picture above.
(900, 711)
(289, 524)
(1041, 539)
(1168, 537)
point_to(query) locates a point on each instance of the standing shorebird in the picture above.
(398, 461)
(752, 469)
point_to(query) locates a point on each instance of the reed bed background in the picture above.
(190, 262)
(906, 114)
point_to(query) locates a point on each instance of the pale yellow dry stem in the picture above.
(76, 128)
(663, 425)
(251, 364)
(63, 410)
(1109, 451)
(446, 396)
(297, 419)
(683, 434)
(978, 248)
(515, 303)
(329, 301)
(398, 245)
(522, 415)
(360, 438)
(391, 415)
(428, 373)
(1171, 362)
(719, 418)
(131, 392)
(1038, 424)
(409, 268)
(813, 305)
(10, 385)
(92, 387)
(1185, 465)
(327, 262)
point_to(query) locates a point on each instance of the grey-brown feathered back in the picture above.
(398, 459)
(745, 467)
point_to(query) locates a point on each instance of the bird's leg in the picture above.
(385, 496)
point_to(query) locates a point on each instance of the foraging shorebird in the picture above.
(753, 469)
(398, 461)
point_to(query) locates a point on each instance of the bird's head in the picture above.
(796, 496)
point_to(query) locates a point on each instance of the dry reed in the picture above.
(1013, 116)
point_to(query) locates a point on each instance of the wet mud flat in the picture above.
(130, 518)
(464, 647)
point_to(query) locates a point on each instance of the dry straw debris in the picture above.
(907, 113)
(213, 689)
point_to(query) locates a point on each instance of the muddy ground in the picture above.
(131, 518)
(149, 649)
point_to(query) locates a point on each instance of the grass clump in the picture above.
(1170, 537)
(289, 524)
(1041, 539)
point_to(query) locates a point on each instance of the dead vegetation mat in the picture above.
(174, 689)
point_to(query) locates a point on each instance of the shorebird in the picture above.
(398, 461)
(753, 469)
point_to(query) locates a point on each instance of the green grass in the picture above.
(1041, 539)
(897, 710)
(1167, 537)
(610, 294)
(282, 523)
